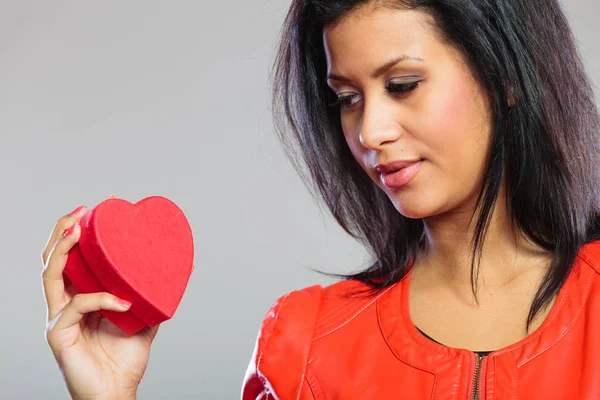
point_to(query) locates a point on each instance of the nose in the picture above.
(380, 125)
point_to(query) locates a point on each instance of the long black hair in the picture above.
(546, 145)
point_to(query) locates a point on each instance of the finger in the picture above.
(61, 225)
(70, 292)
(82, 304)
(52, 276)
(149, 333)
(152, 331)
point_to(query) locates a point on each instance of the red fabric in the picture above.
(140, 252)
(363, 347)
(289, 350)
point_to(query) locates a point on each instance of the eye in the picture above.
(346, 101)
(402, 87)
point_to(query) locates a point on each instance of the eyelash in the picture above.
(401, 88)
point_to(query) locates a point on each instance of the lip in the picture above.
(398, 173)
(395, 165)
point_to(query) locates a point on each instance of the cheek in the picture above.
(356, 149)
(448, 112)
(358, 152)
(352, 140)
(457, 127)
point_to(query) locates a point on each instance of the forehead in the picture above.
(370, 34)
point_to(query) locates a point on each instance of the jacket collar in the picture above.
(409, 345)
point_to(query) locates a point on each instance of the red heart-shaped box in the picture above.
(140, 252)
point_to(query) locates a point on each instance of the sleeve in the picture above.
(278, 364)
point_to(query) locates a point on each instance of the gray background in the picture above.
(143, 98)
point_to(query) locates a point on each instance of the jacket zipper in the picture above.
(478, 375)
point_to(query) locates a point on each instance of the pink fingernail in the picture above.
(68, 231)
(124, 303)
(77, 210)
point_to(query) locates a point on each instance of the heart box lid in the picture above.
(140, 252)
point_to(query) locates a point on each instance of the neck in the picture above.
(506, 254)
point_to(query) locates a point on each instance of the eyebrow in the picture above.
(379, 71)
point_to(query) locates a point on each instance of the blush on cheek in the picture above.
(449, 110)
(454, 120)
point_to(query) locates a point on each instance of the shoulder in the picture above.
(301, 316)
(289, 327)
(317, 310)
(313, 305)
(281, 350)
(304, 311)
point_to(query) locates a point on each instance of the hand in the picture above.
(97, 360)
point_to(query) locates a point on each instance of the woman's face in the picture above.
(426, 108)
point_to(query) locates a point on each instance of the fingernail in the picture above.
(124, 303)
(68, 231)
(77, 210)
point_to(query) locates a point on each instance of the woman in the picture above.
(458, 140)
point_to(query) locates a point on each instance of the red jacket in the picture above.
(316, 344)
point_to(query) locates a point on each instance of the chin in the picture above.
(413, 213)
(415, 208)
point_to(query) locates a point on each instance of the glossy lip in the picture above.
(399, 178)
(395, 166)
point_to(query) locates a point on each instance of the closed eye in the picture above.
(398, 88)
